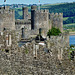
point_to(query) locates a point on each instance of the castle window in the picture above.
(4, 29)
(40, 31)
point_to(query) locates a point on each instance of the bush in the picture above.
(71, 46)
(54, 31)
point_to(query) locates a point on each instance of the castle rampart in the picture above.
(7, 18)
(35, 59)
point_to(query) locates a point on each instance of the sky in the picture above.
(34, 1)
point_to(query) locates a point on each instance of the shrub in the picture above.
(54, 31)
(71, 46)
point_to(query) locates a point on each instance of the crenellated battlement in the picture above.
(6, 9)
(45, 10)
(56, 14)
(42, 11)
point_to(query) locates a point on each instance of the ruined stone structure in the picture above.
(49, 56)
(40, 21)
(7, 18)
(34, 58)
(43, 20)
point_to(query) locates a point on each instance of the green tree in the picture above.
(54, 31)
(71, 46)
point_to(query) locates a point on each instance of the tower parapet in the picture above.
(57, 20)
(33, 7)
(40, 19)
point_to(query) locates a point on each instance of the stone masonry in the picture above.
(7, 18)
(35, 59)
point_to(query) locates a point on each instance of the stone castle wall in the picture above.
(40, 19)
(23, 23)
(22, 60)
(26, 15)
(7, 19)
(44, 19)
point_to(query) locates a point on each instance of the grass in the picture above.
(20, 13)
(47, 5)
(65, 18)
(69, 24)
(26, 51)
(69, 27)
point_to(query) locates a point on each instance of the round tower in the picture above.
(33, 9)
(25, 13)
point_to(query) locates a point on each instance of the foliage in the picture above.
(69, 20)
(70, 27)
(68, 10)
(54, 31)
(71, 46)
(26, 51)
(18, 14)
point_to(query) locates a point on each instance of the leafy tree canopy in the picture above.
(54, 31)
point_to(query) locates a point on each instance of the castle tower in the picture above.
(56, 20)
(7, 18)
(25, 13)
(6, 8)
(33, 9)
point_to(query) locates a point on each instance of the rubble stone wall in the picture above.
(21, 60)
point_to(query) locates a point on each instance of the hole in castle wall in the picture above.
(4, 28)
(34, 57)
(6, 50)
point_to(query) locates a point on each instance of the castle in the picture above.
(39, 20)
(48, 57)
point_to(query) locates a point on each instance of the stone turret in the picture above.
(7, 8)
(7, 18)
(56, 20)
(25, 13)
(33, 9)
